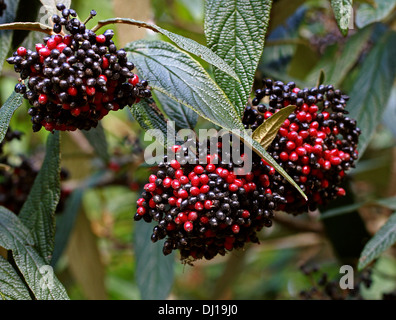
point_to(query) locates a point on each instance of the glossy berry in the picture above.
(203, 210)
(315, 145)
(75, 77)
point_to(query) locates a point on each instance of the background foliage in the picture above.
(100, 253)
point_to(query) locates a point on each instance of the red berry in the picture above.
(184, 180)
(72, 91)
(21, 51)
(204, 179)
(199, 169)
(194, 191)
(235, 228)
(175, 164)
(134, 80)
(188, 226)
(101, 38)
(175, 184)
(42, 99)
(141, 211)
(91, 91)
(208, 204)
(199, 206)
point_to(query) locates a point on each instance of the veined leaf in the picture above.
(6, 112)
(174, 73)
(38, 212)
(6, 35)
(377, 11)
(381, 241)
(184, 117)
(36, 272)
(372, 88)
(268, 130)
(147, 114)
(11, 286)
(186, 44)
(343, 12)
(235, 30)
(154, 271)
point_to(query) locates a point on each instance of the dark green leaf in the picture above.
(176, 74)
(180, 77)
(186, 44)
(97, 139)
(36, 272)
(147, 114)
(381, 241)
(369, 13)
(235, 30)
(184, 117)
(38, 212)
(343, 12)
(6, 112)
(11, 286)
(268, 130)
(6, 35)
(154, 271)
(372, 88)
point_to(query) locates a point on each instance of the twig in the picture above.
(29, 26)
(103, 23)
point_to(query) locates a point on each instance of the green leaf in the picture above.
(381, 241)
(343, 12)
(184, 43)
(181, 78)
(176, 74)
(35, 271)
(154, 271)
(147, 114)
(372, 88)
(6, 112)
(235, 30)
(6, 35)
(11, 286)
(97, 139)
(184, 117)
(38, 212)
(337, 63)
(268, 130)
(369, 13)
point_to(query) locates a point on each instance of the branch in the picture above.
(139, 24)
(29, 26)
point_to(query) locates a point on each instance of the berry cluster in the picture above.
(205, 209)
(74, 80)
(315, 145)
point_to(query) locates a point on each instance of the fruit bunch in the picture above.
(73, 80)
(205, 209)
(316, 145)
